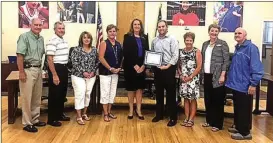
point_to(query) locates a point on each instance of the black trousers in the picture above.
(243, 103)
(57, 93)
(214, 102)
(165, 79)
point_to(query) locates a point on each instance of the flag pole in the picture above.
(159, 17)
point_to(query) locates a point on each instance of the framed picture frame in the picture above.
(153, 58)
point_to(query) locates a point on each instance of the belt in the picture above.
(29, 66)
(60, 64)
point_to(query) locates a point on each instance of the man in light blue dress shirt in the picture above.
(165, 74)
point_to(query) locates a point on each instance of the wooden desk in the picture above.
(5, 71)
(269, 99)
(13, 89)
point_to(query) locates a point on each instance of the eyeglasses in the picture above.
(238, 33)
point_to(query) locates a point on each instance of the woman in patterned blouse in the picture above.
(84, 61)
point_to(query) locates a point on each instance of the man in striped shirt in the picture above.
(57, 57)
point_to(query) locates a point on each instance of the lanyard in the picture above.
(115, 49)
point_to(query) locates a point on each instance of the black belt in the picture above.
(29, 66)
(60, 64)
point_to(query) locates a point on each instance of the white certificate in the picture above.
(153, 58)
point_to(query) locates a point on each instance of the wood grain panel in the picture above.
(126, 12)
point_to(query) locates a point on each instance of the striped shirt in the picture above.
(58, 48)
(169, 47)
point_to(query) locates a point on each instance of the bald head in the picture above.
(240, 35)
(35, 20)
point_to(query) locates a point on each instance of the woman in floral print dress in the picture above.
(189, 66)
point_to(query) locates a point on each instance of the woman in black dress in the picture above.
(134, 45)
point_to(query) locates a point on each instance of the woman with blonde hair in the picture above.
(110, 56)
(84, 61)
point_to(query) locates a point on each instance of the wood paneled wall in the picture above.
(126, 12)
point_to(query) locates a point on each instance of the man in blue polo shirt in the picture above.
(246, 71)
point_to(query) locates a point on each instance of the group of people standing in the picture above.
(211, 63)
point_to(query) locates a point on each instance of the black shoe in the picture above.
(55, 123)
(130, 117)
(39, 124)
(139, 117)
(171, 123)
(156, 119)
(64, 118)
(30, 128)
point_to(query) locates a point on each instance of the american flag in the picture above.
(99, 30)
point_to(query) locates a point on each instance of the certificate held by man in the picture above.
(153, 58)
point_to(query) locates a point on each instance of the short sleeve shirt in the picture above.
(32, 47)
(58, 48)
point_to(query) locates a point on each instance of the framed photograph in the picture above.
(29, 10)
(228, 15)
(153, 58)
(76, 11)
(186, 13)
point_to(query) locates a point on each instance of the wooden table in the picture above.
(13, 89)
(269, 100)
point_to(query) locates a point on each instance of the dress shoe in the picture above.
(39, 124)
(64, 118)
(156, 119)
(139, 117)
(130, 117)
(171, 123)
(55, 123)
(30, 128)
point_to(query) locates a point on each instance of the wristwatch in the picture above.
(110, 68)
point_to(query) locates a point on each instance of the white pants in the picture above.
(108, 88)
(82, 90)
(80, 15)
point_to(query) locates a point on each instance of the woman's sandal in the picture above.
(206, 125)
(85, 117)
(80, 121)
(184, 123)
(112, 116)
(215, 129)
(190, 123)
(106, 118)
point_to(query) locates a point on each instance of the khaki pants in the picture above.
(31, 92)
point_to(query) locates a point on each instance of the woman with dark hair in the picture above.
(135, 43)
(110, 56)
(215, 53)
(186, 17)
(189, 66)
(83, 74)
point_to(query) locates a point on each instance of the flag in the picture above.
(159, 17)
(99, 30)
